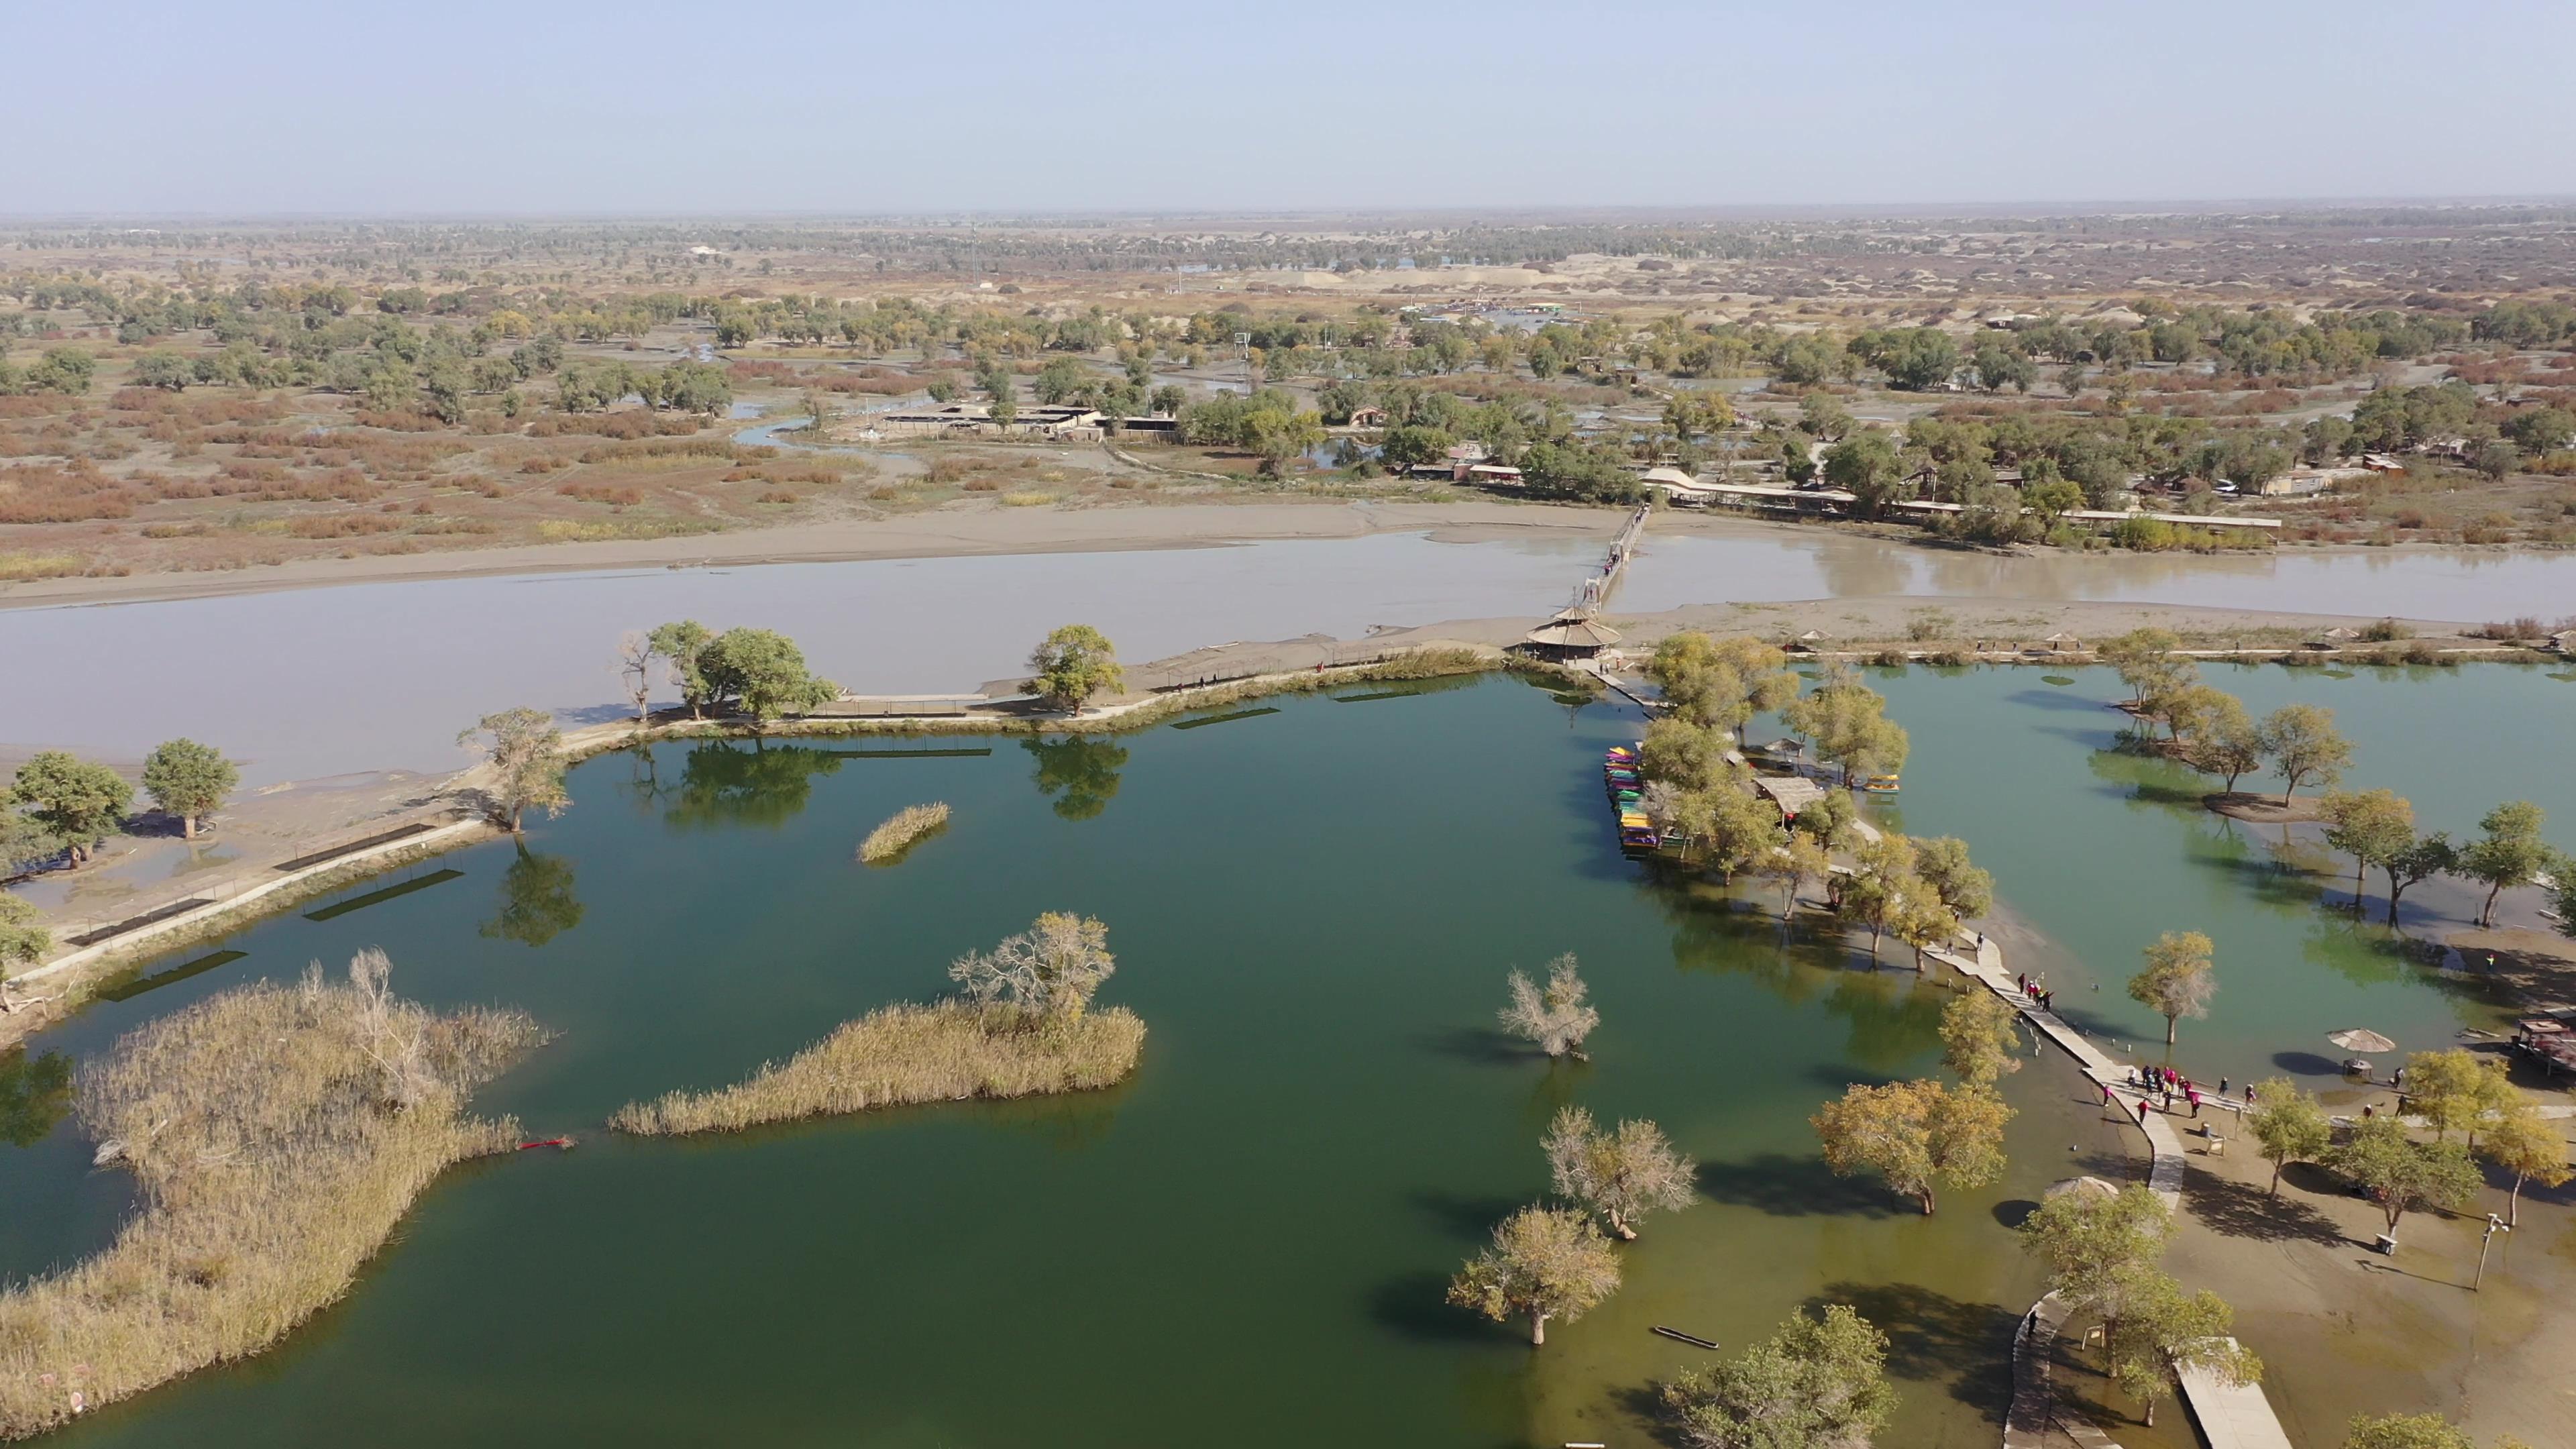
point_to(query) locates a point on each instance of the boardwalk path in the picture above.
(2230, 1416)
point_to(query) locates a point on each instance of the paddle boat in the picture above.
(1877, 785)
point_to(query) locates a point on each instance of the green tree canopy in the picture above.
(2177, 980)
(2403, 1175)
(23, 937)
(1819, 1383)
(188, 780)
(2304, 744)
(763, 673)
(2289, 1126)
(1074, 664)
(75, 802)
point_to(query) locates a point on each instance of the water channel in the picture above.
(1314, 910)
(404, 665)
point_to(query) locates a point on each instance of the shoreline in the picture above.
(460, 820)
(955, 535)
(1121, 528)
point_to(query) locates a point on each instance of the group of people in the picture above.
(2165, 1084)
(2036, 988)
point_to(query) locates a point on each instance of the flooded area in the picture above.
(1313, 909)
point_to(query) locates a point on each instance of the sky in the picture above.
(240, 108)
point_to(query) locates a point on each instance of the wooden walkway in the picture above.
(2230, 1416)
(2034, 1403)
(1595, 591)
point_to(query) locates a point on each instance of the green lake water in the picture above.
(1247, 1243)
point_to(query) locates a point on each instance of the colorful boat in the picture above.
(1877, 785)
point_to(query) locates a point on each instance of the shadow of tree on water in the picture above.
(1416, 1306)
(1933, 1336)
(1797, 1187)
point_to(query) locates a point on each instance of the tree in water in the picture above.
(1079, 774)
(1921, 1136)
(1966, 890)
(537, 900)
(1979, 1037)
(1048, 972)
(2177, 980)
(1819, 1383)
(1555, 1016)
(2303, 744)
(526, 756)
(1544, 1263)
(188, 780)
(1622, 1174)
(2507, 852)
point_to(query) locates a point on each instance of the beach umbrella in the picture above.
(2361, 1039)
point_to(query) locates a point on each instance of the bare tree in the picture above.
(1555, 1015)
(389, 1032)
(635, 655)
(1622, 1174)
(1048, 971)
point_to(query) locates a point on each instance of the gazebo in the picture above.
(2061, 642)
(2335, 638)
(1806, 643)
(1570, 636)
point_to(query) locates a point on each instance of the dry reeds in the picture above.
(887, 843)
(897, 1055)
(277, 1133)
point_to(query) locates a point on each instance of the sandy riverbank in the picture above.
(934, 535)
(1853, 553)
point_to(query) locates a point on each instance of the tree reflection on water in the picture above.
(1079, 774)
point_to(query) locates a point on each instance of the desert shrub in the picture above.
(2386, 631)
(2525, 627)
(18, 568)
(61, 493)
(609, 493)
(341, 525)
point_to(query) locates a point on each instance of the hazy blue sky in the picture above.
(260, 106)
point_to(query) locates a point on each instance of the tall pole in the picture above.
(2495, 1225)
